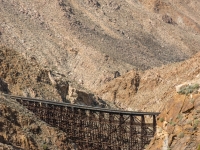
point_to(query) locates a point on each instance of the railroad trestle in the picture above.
(91, 128)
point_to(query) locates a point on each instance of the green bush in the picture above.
(189, 89)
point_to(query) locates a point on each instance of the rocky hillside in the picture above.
(173, 90)
(89, 41)
(179, 124)
(21, 130)
(27, 78)
(150, 90)
(131, 54)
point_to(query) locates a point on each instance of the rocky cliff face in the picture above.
(178, 125)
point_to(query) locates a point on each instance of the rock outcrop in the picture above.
(179, 124)
(20, 129)
(27, 78)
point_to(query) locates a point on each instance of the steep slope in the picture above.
(90, 44)
(89, 40)
(172, 90)
(19, 76)
(179, 124)
(152, 89)
(21, 130)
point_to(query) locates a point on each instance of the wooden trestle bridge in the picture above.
(91, 128)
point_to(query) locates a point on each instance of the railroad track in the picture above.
(94, 128)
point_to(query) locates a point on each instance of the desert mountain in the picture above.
(132, 54)
(90, 40)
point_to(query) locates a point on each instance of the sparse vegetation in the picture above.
(189, 89)
(172, 123)
(190, 122)
(198, 148)
(161, 119)
(196, 123)
(180, 116)
(192, 101)
(45, 147)
(181, 135)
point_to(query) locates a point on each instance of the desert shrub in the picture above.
(192, 101)
(180, 116)
(196, 123)
(189, 89)
(161, 119)
(198, 148)
(45, 147)
(172, 123)
(181, 135)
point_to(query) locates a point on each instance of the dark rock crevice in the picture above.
(4, 87)
(136, 82)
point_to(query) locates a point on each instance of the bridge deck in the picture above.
(84, 106)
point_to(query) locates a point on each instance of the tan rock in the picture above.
(188, 106)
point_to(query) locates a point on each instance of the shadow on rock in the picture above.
(4, 87)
